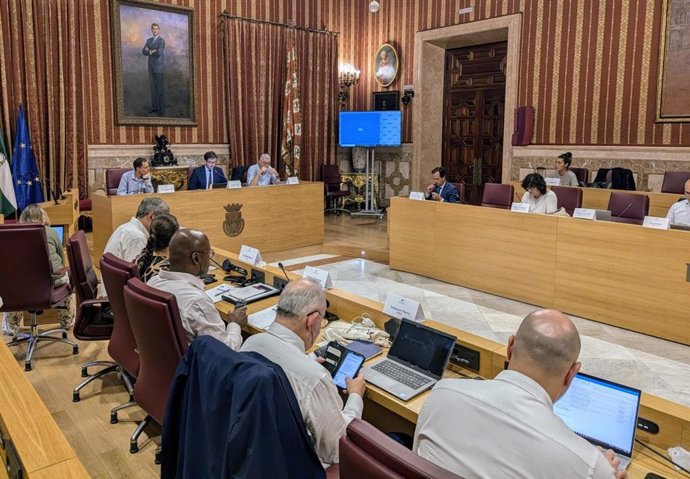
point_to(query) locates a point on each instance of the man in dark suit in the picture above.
(205, 176)
(440, 189)
(155, 50)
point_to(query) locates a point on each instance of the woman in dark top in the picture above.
(154, 256)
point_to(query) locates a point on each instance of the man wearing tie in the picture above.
(154, 48)
(205, 176)
(440, 189)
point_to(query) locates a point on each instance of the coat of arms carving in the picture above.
(234, 223)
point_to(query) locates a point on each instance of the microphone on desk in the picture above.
(56, 193)
(624, 211)
(226, 266)
(280, 265)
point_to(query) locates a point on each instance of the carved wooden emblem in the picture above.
(234, 223)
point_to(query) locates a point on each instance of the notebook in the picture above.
(415, 362)
(603, 412)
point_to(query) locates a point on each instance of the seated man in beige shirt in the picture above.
(301, 310)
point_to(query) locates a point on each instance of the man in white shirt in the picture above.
(301, 310)
(190, 255)
(506, 427)
(262, 173)
(137, 180)
(679, 213)
(130, 238)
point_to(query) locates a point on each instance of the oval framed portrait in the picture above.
(386, 64)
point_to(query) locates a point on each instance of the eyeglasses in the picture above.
(210, 253)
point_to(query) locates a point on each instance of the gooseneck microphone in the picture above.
(222, 266)
(624, 211)
(280, 265)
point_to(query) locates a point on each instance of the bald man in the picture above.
(190, 254)
(679, 213)
(506, 427)
(262, 173)
(301, 310)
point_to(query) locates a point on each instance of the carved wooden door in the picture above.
(474, 103)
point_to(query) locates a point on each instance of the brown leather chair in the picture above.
(122, 346)
(190, 171)
(161, 342)
(582, 175)
(367, 452)
(674, 182)
(112, 179)
(497, 195)
(628, 207)
(239, 173)
(333, 189)
(27, 283)
(569, 197)
(461, 191)
(89, 324)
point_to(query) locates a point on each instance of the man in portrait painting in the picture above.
(155, 50)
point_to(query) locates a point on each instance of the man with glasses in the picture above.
(207, 175)
(299, 318)
(262, 173)
(190, 255)
(679, 213)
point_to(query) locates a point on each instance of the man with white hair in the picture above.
(301, 311)
(262, 173)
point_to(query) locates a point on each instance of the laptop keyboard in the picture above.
(401, 374)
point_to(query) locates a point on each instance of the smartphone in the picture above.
(240, 304)
(348, 367)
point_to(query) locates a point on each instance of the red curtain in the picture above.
(40, 57)
(255, 54)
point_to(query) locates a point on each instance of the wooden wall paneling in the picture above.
(412, 235)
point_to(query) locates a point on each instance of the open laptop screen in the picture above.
(422, 347)
(603, 412)
(60, 230)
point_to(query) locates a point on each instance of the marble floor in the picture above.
(653, 365)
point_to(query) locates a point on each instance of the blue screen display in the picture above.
(369, 128)
(60, 230)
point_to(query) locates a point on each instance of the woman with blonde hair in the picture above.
(35, 214)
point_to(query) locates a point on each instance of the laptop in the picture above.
(680, 227)
(602, 412)
(215, 186)
(60, 230)
(602, 215)
(415, 362)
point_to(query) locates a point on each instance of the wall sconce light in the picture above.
(348, 75)
(408, 94)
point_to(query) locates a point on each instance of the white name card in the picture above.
(166, 188)
(250, 255)
(234, 184)
(293, 180)
(584, 213)
(320, 275)
(552, 181)
(403, 308)
(519, 207)
(417, 195)
(656, 222)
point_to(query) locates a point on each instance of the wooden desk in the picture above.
(25, 420)
(598, 199)
(275, 217)
(614, 273)
(65, 213)
(389, 413)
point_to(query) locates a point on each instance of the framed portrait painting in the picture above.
(386, 65)
(673, 101)
(153, 63)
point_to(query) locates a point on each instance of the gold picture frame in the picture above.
(386, 65)
(673, 89)
(153, 72)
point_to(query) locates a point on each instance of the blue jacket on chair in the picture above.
(233, 414)
(198, 179)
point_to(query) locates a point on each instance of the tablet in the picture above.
(348, 367)
(365, 348)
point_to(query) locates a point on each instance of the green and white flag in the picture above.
(8, 201)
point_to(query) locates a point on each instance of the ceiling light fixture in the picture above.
(374, 6)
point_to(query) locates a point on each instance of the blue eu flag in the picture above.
(27, 184)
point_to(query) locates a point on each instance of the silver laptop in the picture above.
(603, 412)
(602, 215)
(415, 362)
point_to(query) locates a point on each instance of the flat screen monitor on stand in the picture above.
(369, 129)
